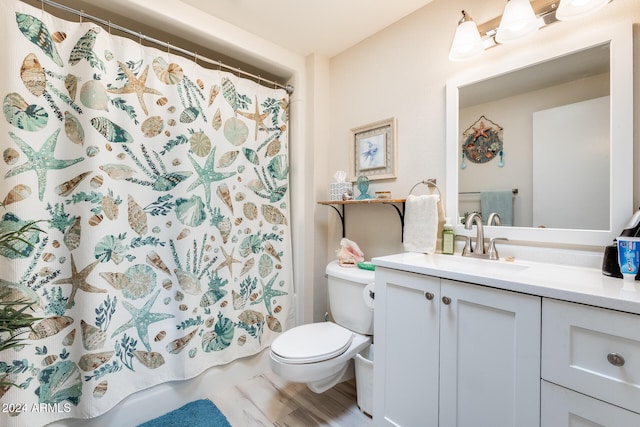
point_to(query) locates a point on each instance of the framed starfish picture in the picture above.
(373, 150)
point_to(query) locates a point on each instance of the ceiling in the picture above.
(325, 27)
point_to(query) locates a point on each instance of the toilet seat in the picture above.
(314, 342)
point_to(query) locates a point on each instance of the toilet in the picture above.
(322, 354)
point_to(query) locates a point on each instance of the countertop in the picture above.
(564, 282)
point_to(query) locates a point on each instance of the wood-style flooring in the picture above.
(267, 400)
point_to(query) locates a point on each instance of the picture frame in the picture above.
(373, 150)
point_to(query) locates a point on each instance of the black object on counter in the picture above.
(610, 266)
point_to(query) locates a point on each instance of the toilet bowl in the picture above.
(322, 354)
(317, 354)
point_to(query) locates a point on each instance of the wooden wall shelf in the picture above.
(342, 203)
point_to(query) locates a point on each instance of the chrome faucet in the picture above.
(468, 225)
(479, 251)
(494, 219)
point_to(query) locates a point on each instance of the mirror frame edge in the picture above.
(620, 38)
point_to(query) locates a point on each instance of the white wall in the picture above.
(319, 128)
(395, 73)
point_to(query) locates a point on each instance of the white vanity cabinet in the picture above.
(590, 366)
(450, 353)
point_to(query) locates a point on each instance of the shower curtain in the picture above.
(162, 192)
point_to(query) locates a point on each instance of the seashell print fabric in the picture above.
(162, 191)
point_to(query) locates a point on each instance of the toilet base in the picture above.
(323, 385)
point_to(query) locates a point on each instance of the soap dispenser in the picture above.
(448, 238)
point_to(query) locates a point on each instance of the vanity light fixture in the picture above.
(576, 9)
(518, 21)
(467, 43)
(515, 23)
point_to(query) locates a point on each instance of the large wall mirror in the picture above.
(548, 143)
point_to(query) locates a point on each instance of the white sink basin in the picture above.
(478, 265)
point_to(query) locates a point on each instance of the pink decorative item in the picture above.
(349, 254)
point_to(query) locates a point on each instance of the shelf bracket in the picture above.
(401, 215)
(342, 220)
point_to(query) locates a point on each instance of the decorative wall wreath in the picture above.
(482, 142)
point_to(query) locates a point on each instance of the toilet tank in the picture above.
(349, 301)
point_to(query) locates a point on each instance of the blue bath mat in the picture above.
(200, 413)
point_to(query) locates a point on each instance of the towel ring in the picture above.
(431, 183)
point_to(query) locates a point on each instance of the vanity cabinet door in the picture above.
(562, 407)
(406, 328)
(489, 357)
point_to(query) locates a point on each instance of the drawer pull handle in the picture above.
(615, 359)
(446, 300)
(428, 295)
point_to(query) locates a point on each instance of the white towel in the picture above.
(421, 223)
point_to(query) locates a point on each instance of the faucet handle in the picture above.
(493, 252)
(467, 243)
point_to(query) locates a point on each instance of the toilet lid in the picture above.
(313, 342)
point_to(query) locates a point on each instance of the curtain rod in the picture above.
(288, 88)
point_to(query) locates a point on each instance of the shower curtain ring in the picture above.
(109, 27)
(80, 15)
(195, 57)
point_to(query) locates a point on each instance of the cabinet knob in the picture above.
(428, 295)
(446, 300)
(615, 359)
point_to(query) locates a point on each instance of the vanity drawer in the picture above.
(561, 407)
(593, 351)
